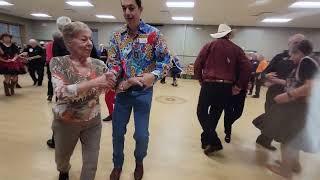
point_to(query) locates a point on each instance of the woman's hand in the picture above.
(282, 98)
(273, 78)
(108, 80)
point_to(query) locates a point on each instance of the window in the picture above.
(14, 30)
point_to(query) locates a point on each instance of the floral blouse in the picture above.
(71, 106)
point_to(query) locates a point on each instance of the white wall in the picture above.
(187, 40)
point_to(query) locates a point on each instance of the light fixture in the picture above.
(5, 3)
(40, 15)
(180, 4)
(80, 3)
(177, 18)
(276, 20)
(305, 4)
(105, 16)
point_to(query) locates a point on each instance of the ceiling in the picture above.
(206, 12)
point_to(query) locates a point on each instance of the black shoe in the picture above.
(50, 98)
(204, 146)
(35, 82)
(51, 143)
(18, 86)
(256, 96)
(213, 149)
(228, 138)
(63, 176)
(39, 85)
(265, 145)
(107, 119)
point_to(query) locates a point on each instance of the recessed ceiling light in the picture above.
(5, 3)
(105, 16)
(276, 20)
(182, 18)
(40, 15)
(305, 4)
(180, 4)
(80, 3)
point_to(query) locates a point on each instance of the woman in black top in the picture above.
(10, 63)
(287, 117)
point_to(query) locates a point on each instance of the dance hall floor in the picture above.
(174, 149)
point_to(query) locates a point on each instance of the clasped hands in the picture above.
(145, 80)
(108, 81)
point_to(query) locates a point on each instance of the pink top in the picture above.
(49, 54)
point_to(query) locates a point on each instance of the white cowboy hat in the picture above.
(223, 30)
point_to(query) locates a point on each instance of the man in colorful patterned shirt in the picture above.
(142, 53)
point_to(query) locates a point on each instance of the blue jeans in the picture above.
(140, 102)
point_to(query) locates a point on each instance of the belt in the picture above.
(219, 81)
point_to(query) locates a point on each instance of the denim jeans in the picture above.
(140, 102)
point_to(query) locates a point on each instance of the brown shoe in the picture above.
(115, 174)
(138, 172)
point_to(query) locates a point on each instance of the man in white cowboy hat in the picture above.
(223, 70)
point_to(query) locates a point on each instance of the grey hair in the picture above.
(305, 47)
(62, 21)
(56, 35)
(71, 30)
(33, 41)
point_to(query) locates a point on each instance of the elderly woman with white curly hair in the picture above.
(78, 81)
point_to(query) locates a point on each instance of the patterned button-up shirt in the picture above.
(146, 53)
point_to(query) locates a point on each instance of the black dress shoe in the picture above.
(18, 86)
(49, 98)
(63, 176)
(51, 143)
(35, 82)
(265, 145)
(204, 146)
(228, 138)
(107, 119)
(213, 149)
(256, 96)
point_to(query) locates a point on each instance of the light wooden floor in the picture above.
(174, 150)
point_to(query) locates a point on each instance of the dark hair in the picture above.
(139, 3)
(226, 36)
(304, 46)
(5, 35)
